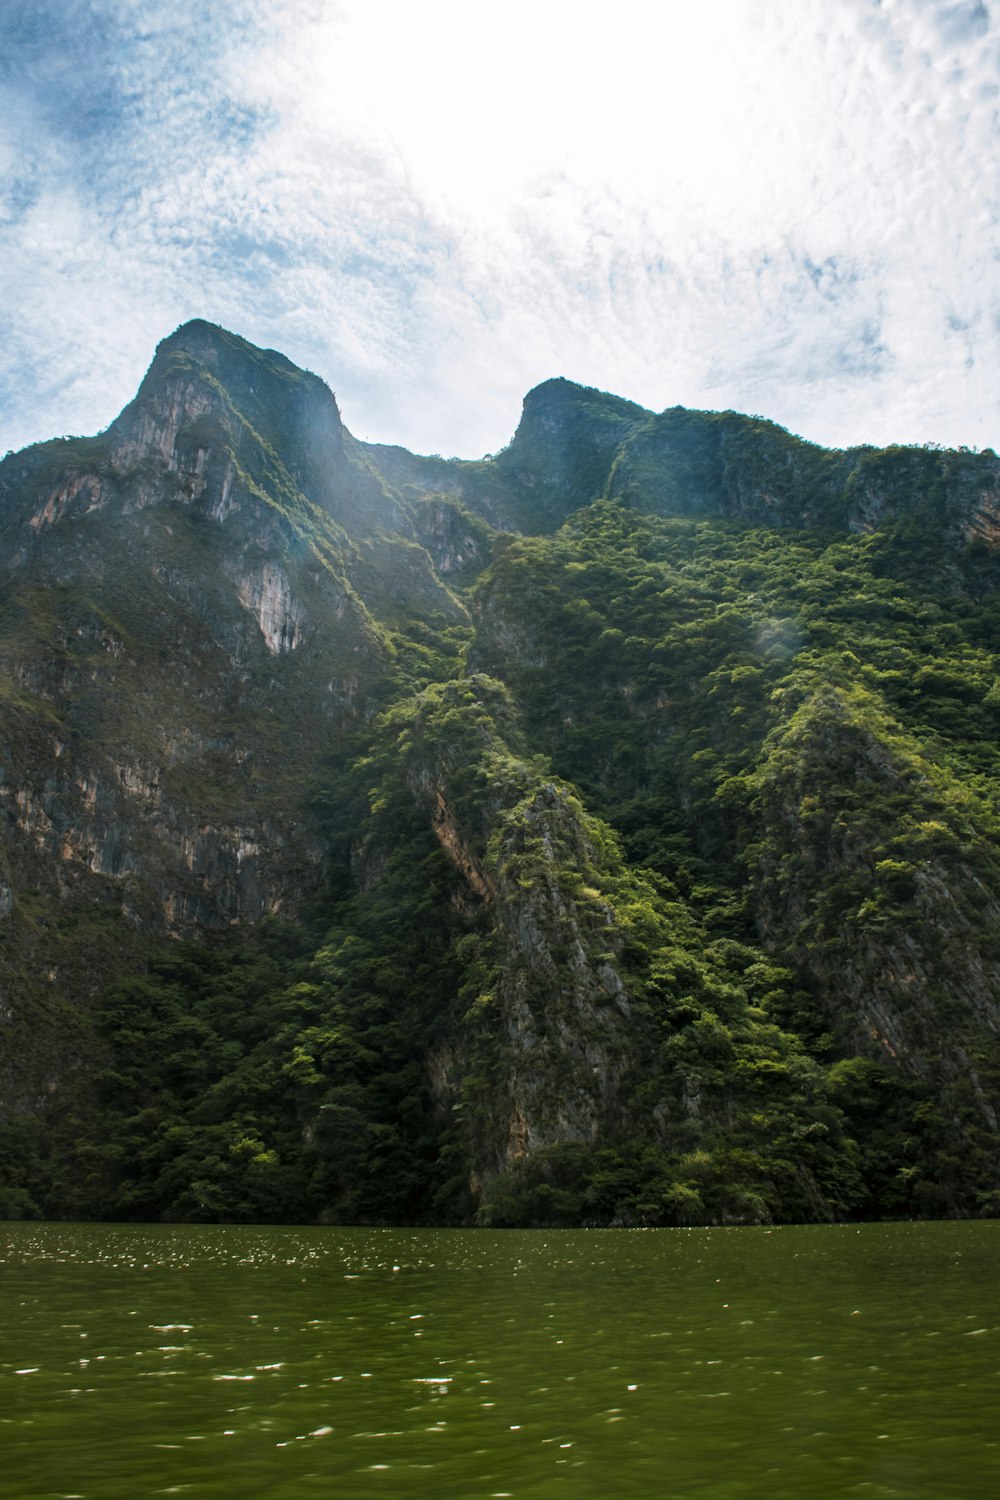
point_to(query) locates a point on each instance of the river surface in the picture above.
(290, 1363)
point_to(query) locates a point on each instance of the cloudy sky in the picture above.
(789, 207)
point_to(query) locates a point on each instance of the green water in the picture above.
(245, 1362)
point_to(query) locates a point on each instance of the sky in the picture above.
(786, 207)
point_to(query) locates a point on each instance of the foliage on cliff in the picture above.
(632, 797)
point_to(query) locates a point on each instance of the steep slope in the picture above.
(788, 728)
(185, 625)
(628, 800)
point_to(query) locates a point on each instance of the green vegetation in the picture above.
(662, 843)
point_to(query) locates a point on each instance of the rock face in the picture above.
(184, 628)
(565, 1012)
(846, 803)
(558, 1006)
(251, 667)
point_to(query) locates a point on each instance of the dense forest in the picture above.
(633, 800)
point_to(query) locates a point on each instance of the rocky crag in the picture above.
(605, 831)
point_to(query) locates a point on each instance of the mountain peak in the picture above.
(561, 397)
(231, 359)
(198, 332)
(562, 451)
(212, 384)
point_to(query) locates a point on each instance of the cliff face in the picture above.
(184, 627)
(555, 1008)
(879, 884)
(632, 854)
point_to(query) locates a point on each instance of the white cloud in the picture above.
(787, 207)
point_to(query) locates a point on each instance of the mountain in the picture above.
(602, 832)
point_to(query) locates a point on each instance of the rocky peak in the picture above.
(562, 452)
(549, 408)
(207, 389)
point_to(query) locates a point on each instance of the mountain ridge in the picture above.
(596, 832)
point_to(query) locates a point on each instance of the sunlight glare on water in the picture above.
(220, 1361)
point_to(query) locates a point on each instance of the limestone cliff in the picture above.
(184, 627)
(631, 796)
